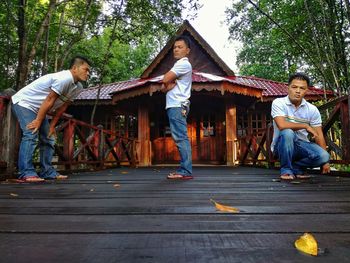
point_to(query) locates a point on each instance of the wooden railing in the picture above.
(255, 148)
(4, 100)
(336, 128)
(79, 143)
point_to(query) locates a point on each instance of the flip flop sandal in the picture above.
(57, 177)
(303, 176)
(31, 179)
(61, 177)
(174, 176)
(287, 177)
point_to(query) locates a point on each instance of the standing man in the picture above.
(294, 119)
(51, 93)
(177, 84)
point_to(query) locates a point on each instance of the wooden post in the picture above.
(9, 138)
(231, 133)
(345, 123)
(68, 143)
(144, 136)
(101, 145)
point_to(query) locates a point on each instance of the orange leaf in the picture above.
(124, 172)
(225, 208)
(307, 244)
(116, 185)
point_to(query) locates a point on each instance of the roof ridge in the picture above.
(114, 83)
(262, 79)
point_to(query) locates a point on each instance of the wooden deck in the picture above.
(150, 219)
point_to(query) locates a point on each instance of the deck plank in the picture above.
(151, 219)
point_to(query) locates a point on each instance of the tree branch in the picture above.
(289, 36)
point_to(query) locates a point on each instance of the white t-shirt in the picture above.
(33, 95)
(182, 90)
(305, 113)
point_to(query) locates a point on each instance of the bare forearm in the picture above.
(282, 124)
(44, 109)
(321, 143)
(168, 87)
(169, 81)
(293, 126)
(58, 114)
(320, 140)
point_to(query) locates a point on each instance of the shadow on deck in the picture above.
(89, 218)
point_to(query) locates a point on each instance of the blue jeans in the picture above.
(295, 154)
(29, 142)
(178, 127)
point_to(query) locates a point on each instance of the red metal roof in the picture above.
(106, 89)
(270, 88)
(279, 89)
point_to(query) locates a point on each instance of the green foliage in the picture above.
(125, 61)
(130, 29)
(280, 37)
(342, 167)
(8, 51)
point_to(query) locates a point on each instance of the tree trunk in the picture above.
(57, 49)
(24, 60)
(316, 39)
(106, 59)
(22, 39)
(8, 45)
(46, 49)
(38, 36)
(347, 4)
(79, 36)
(341, 45)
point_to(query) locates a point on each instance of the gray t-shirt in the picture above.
(305, 113)
(182, 90)
(33, 95)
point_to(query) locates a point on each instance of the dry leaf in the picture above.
(124, 172)
(92, 189)
(116, 185)
(307, 244)
(15, 195)
(225, 208)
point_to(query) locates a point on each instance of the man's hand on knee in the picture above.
(326, 168)
(312, 132)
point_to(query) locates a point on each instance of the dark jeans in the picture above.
(29, 142)
(178, 127)
(295, 154)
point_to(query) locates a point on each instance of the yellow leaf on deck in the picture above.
(225, 208)
(15, 195)
(124, 172)
(307, 244)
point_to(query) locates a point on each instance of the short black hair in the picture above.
(185, 39)
(300, 76)
(78, 60)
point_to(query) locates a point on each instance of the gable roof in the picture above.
(199, 43)
(269, 89)
(214, 72)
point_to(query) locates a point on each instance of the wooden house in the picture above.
(225, 108)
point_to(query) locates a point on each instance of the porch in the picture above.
(136, 215)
